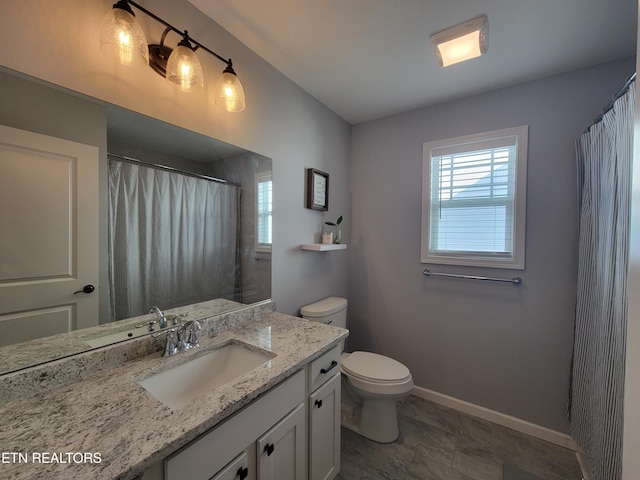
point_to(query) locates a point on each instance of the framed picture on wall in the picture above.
(317, 189)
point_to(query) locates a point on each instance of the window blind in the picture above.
(472, 199)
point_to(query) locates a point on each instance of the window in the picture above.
(473, 199)
(264, 211)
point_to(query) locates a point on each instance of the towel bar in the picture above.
(514, 280)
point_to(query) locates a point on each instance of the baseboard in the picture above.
(523, 426)
(584, 465)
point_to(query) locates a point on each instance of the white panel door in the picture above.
(48, 235)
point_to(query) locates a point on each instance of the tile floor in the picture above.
(438, 443)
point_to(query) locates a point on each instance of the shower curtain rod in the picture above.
(615, 97)
(171, 169)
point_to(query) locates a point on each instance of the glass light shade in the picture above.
(122, 38)
(460, 49)
(461, 42)
(184, 70)
(229, 93)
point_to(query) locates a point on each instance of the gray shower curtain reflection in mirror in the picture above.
(173, 239)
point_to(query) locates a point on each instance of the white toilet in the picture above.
(371, 383)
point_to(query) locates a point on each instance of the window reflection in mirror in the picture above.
(264, 211)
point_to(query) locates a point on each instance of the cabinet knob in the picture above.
(243, 472)
(318, 403)
(269, 448)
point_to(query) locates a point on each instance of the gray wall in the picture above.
(503, 347)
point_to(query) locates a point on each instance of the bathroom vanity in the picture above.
(269, 439)
(278, 420)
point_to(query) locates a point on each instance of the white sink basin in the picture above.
(100, 340)
(181, 385)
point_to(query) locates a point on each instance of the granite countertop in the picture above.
(106, 426)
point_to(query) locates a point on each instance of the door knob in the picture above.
(86, 289)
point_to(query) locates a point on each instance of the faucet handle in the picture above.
(176, 320)
(192, 329)
(170, 347)
(182, 344)
(151, 326)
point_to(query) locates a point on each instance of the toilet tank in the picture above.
(331, 310)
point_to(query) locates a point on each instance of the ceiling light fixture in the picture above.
(122, 38)
(461, 42)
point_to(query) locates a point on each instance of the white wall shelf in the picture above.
(324, 247)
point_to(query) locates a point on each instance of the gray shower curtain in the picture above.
(597, 387)
(174, 239)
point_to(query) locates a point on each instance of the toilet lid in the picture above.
(377, 368)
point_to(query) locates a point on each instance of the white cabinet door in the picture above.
(324, 430)
(49, 235)
(281, 451)
(237, 469)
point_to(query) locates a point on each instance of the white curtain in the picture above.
(174, 239)
(597, 389)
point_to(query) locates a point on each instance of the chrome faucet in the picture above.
(162, 320)
(176, 341)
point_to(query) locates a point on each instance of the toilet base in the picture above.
(373, 418)
(379, 420)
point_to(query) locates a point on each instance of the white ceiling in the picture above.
(366, 59)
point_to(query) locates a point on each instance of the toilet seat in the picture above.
(373, 368)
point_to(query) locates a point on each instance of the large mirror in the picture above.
(182, 219)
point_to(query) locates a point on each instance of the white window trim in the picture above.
(517, 260)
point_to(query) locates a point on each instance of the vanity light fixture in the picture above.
(122, 38)
(461, 42)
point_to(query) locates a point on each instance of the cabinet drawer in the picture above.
(324, 367)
